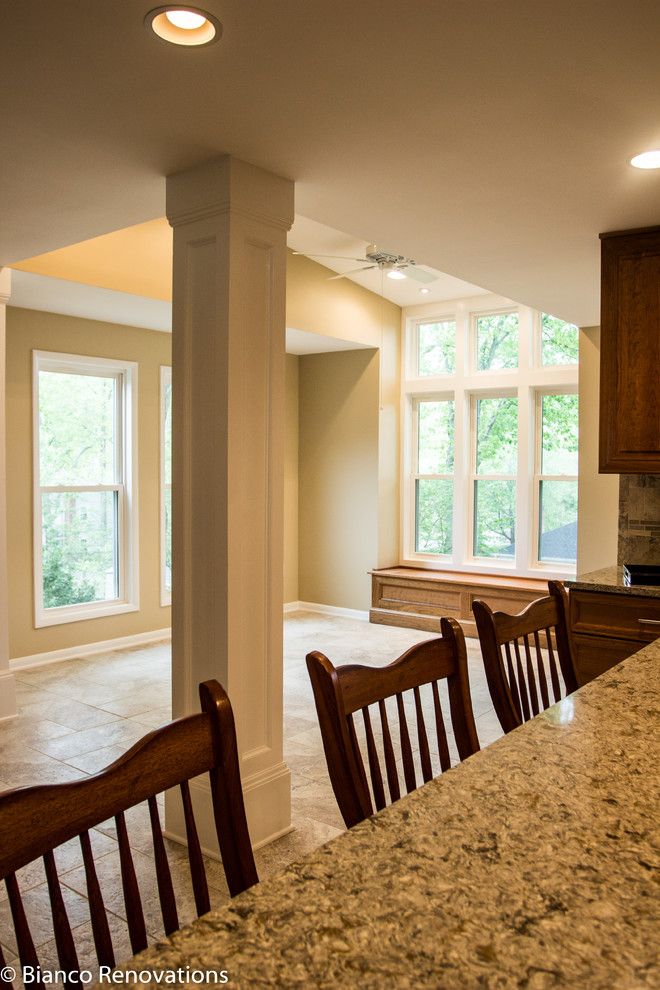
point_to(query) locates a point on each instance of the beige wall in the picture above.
(339, 477)
(336, 309)
(291, 481)
(598, 494)
(28, 330)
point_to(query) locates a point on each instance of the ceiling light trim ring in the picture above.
(200, 37)
(646, 160)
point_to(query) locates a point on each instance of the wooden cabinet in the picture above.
(630, 352)
(607, 628)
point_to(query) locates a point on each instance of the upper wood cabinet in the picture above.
(630, 352)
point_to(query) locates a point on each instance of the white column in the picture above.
(7, 682)
(230, 221)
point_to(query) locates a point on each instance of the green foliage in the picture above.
(437, 348)
(559, 341)
(497, 436)
(60, 586)
(494, 518)
(497, 341)
(77, 447)
(435, 499)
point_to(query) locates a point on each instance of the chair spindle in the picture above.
(66, 949)
(513, 684)
(197, 871)
(26, 950)
(163, 873)
(554, 676)
(540, 666)
(422, 739)
(440, 731)
(374, 764)
(100, 928)
(390, 762)
(406, 749)
(531, 679)
(136, 927)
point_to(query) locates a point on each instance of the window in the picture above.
(494, 481)
(556, 477)
(436, 347)
(434, 485)
(85, 545)
(496, 341)
(559, 341)
(490, 439)
(165, 486)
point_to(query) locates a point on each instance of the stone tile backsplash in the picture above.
(639, 519)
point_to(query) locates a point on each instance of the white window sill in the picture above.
(81, 613)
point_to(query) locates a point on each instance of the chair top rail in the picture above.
(540, 614)
(164, 758)
(362, 686)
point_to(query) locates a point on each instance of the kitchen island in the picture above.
(530, 865)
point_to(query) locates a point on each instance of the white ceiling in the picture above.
(317, 240)
(58, 295)
(486, 139)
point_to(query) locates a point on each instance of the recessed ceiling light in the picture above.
(395, 274)
(647, 159)
(425, 291)
(187, 26)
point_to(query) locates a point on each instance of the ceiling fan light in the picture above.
(396, 274)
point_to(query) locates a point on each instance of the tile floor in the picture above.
(79, 715)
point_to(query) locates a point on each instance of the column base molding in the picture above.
(267, 796)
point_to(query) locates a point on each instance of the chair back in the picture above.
(34, 821)
(342, 692)
(519, 658)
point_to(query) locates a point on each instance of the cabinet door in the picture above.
(630, 352)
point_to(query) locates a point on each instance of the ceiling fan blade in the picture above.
(353, 271)
(418, 274)
(337, 257)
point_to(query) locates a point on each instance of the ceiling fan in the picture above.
(395, 266)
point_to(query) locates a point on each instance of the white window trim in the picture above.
(530, 378)
(165, 592)
(127, 448)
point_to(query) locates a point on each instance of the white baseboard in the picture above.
(344, 613)
(292, 607)
(89, 649)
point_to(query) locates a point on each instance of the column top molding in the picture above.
(228, 185)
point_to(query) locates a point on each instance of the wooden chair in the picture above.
(340, 692)
(35, 820)
(518, 678)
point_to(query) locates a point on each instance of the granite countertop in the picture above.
(610, 579)
(530, 865)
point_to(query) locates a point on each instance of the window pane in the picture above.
(78, 545)
(435, 432)
(559, 434)
(167, 434)
(497, 341)
(76, 429)
(433, 515)
(495, 519)
(436, 344)
(497, 436)
(168, 538)
(558, 526)
(559, 341)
